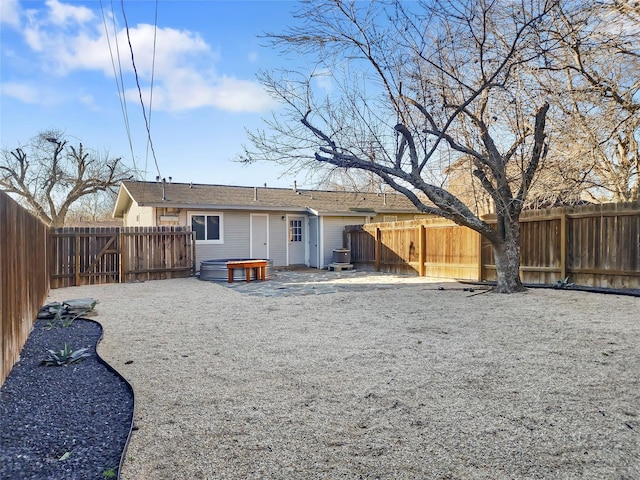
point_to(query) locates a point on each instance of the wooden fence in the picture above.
(90, 256)
(595, 245)
(24, 277)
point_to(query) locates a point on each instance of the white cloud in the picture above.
(64, 13)
(253, 57)
(183, 68)
(88, 100)
(186, 92)
(323, 80)
(32, 93)
(20, 91)
(10, 13)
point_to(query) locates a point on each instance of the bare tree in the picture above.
(97, 207)
(594, 76)
(50, 175)
(414, 87)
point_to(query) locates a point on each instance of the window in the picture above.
(207, 227)
(390, 218)
(295, 231)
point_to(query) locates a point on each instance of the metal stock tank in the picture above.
(216, 270)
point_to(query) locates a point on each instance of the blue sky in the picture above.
(57, 73)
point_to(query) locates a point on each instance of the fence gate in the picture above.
(91, 256)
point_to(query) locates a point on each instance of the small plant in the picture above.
(67, 320)
(563, 283)
(65, 357)
(64, 457)
(109, 473)
(65, 313)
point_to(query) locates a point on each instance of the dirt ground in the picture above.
(394, 379)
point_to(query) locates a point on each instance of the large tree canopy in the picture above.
(594, 78)
(408, 89)
(50, 174)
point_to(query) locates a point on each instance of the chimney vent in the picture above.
(255, 194)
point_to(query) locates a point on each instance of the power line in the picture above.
(123, 103)
(135, 71)
(153, 72)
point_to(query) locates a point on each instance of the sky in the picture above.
(57, 62)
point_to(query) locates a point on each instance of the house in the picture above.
(288, 226)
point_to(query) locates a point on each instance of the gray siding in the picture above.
(277, 239)
(235, 236)
(237, 244)
(332, 233)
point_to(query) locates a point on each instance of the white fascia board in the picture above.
(249, 208)
(121, 201)
(344, 214)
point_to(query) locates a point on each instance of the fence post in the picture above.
(121, 258)
(194, 266)
(422, 254)
(480, 259)
(377, 248)
(563, 245)
(77, 259)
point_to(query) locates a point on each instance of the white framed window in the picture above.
(208, 226)
(390, 218)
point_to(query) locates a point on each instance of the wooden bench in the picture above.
(258, 266)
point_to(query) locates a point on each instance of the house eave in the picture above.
(123, 200)
(208, 206)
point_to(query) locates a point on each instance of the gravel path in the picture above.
(397, 381)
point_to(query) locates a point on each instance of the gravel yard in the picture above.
(395, 379)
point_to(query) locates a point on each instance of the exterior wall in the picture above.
(138, 216)
(278, 229)
(170, 217)
(332, 235)
(236, 227)
(235, 237)
(237, 243)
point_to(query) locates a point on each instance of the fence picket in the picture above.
(596, 245)
(111, 255)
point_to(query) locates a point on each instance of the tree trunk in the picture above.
(507, 260)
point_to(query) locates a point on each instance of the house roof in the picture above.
(224, 197)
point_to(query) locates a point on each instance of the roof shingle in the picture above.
(188, 195)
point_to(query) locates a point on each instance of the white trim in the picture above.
(191, 213)
(305, 235)
(286, 239)
(321, 243)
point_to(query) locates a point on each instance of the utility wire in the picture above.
(153, 72)
(135, 71)
(123, 103)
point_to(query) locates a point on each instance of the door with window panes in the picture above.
(295, 244)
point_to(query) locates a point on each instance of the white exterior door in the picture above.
(259, 234)
(314, 243)
(296, 241)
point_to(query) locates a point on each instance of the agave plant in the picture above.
(64, 357)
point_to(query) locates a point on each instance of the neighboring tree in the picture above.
(50, 175)
(97, 207)
(595, 81)
(414, 87)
